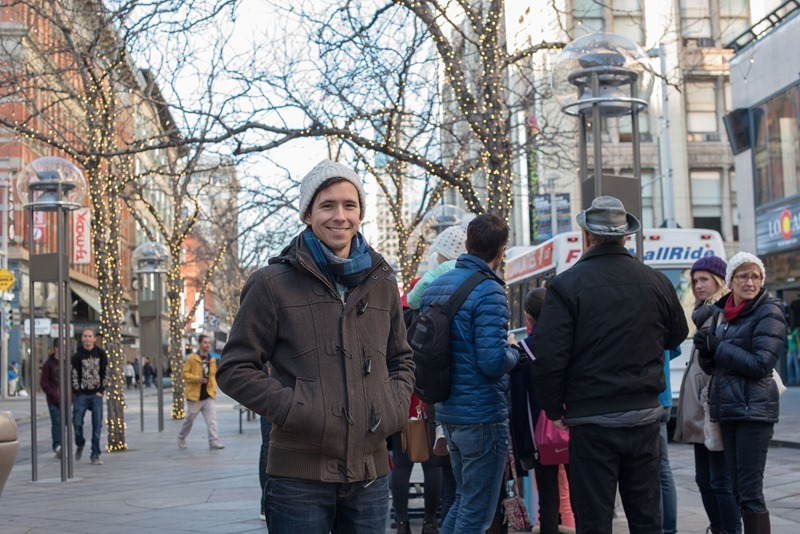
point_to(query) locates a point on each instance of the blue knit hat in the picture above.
(710, 264)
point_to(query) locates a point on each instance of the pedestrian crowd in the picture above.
(320, 349)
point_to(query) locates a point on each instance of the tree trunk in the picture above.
(176, 330)
(106, 210)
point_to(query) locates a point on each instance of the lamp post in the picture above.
(150, 261)
(598, 76)
(51, 184)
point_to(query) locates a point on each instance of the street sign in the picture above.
(54, 330)
(41, 326)
(7, 279)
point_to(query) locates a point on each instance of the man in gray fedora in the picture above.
(599, 365)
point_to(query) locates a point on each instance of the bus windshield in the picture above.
(682, 282)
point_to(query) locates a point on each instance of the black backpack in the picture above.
(429, 337)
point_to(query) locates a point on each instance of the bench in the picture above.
(244, 410)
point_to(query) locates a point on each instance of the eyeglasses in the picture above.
(743, 278)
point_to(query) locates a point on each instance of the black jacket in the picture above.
(604, 327)
(742, 387)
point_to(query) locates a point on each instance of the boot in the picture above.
(403, 527)
(429, 527)
(756, 522)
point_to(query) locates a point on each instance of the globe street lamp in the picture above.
(150, 260)
(598, 76)
(51, 184)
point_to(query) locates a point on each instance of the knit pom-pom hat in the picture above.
(323, 171)
(739, 259)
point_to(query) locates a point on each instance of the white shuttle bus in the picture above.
(671, 251)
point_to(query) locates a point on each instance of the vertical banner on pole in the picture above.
(81, 236)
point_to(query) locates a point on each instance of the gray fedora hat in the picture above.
(607, 216)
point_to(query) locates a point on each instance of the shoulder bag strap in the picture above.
(463, 291)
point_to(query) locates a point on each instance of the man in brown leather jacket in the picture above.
(326, 315)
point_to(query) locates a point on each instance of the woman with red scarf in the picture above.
(746, 338)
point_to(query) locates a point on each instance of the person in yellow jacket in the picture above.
(199, 372)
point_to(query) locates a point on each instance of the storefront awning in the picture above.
(89, 295)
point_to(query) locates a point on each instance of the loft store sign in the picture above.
(778, 229)
(81, 236)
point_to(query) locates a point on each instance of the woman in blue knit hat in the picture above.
(711, 475)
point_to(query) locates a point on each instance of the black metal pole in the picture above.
(32, 351)
(157, 279)
(141, 357)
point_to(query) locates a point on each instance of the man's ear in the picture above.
(501, 253)
(307, 216)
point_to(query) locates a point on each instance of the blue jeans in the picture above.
(792, 369)
(266, 428)
(478, 456)
(55, 424)
(314, 507)
(80, 404)
(716, 491)
(669, 498)
(746, 444)
(600, 458)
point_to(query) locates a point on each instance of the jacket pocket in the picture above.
(301, 416)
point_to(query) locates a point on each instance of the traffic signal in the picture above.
(15, 318)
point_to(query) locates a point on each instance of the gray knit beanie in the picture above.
(323, 171)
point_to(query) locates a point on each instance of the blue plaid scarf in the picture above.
(348, 272)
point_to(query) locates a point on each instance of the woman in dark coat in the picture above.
(740, 350)
(711, 473)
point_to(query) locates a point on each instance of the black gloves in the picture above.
(706, 344)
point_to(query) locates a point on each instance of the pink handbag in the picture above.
(552, 444)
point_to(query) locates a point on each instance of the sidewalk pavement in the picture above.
(154, 487)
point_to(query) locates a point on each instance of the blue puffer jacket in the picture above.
(482, 357)
(742, 387)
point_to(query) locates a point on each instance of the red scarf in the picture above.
(732, 311)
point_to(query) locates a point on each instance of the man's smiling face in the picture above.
(335, 216)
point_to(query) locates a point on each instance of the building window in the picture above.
(625, 130)
(649, 185)
(587, 17)
(628, 20)
(706, 199)
(733, 19)
(734, 204)
(701, 111)
(695, 20)
(777, 148)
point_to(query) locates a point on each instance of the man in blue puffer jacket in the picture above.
(475, 416)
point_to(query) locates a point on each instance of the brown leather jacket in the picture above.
(342, 372)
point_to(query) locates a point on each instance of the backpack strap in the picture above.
(457, 299)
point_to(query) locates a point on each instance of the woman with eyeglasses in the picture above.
(711, 474)
(740, 350)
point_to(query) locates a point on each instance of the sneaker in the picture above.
(262, 516)
(181, 443)
(78, 453)
(96, 460)
(57, 451)
(440, 445)
(216, 445)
